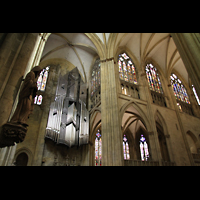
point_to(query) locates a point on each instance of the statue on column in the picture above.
(15, 130)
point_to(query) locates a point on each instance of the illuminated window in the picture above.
(144, 152)
(126, 69)
(98, 149)
(195, 94)
(38, 100)
(126, 148)
(153, 78)
(124, 90)
(41, 84)
(179, 90)
(42, 80)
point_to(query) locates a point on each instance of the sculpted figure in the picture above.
(15, 131)
(26, 97)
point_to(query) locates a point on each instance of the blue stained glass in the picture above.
(153, 78)
(179, 89)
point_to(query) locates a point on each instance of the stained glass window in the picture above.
(42, 80)
(98, 149)
(153, 78)
(126, 148)
(41, 84)
(179, 89)
(195, 94)
(96, 77)
(38, 100)
(144, 152)
(126, 69)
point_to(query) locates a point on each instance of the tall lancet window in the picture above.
(98, 149)
(126, 69)
(95, 78)
(153, 78)
(126, 148)
(179, 89)
(195, 94)
(41, 84)
(144, 152)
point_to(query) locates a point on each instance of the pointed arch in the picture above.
(139, 112)
(192, 135)
(125, 49)
(193, 142)
(159, 118)
(162, 136)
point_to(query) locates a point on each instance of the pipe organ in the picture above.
(68, 121)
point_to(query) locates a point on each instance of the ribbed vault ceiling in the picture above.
(78, 49)
(158, 46)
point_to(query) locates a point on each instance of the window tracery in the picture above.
(95, 77)
(127, 70)
(41, 84)
(153, 78)
(144, 152)
(126, 148)
(179, 90)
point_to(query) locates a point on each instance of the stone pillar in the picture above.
(112, 152)
(153, 136)
(188, 46)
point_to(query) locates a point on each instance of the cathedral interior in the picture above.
(103, 99)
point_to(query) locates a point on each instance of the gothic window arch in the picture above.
(181, 95)
(155, 85)
(195, 94)
(153, 78)
(41, 84)
(98, 148)
(127, 71)
(95, 82)
(126, 148)
(179, 89)
(144, 151)
(95, 77)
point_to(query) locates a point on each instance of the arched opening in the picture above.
(192, 142)
(134, 128)
(162, 142)
(22, 159)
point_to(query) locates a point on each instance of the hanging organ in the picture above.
(68, 121)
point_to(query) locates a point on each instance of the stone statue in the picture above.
(26, 97)
(15, 130)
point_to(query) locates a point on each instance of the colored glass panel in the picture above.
(126, 69)
(96, 77)
(153, 78)
(98, 149)
(42, 80)
(179, 90)
(144, 152)
(126, 148)
(39, 100)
